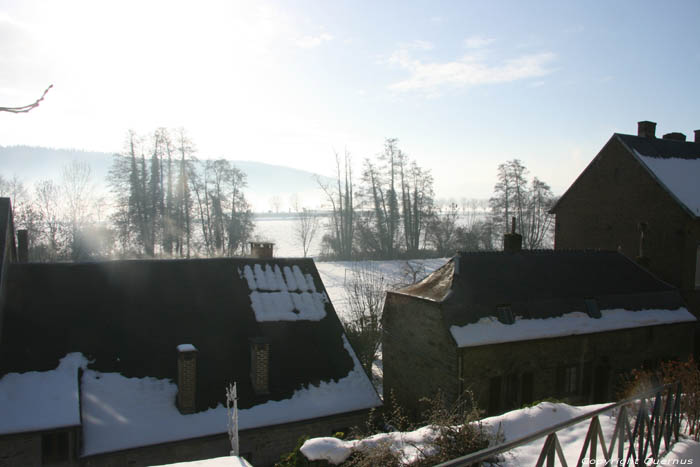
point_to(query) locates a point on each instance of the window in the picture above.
(567, 380)
(592, 308)
(511, 391)
(570, 380)
(55, 447)
(697, 268)
(505, 314)
(527, 395)
(494, 395)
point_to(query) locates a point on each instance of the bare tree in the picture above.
(26, 108)
(306, 228)
(77, 190)
(364, 291)
(342, 224)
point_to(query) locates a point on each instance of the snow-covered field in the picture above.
(512, 425)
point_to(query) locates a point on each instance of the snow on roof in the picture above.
(41, 400)
(226, 461)
(122, 413)
(681, 176)
(186, 348)
(489, 330)
(283, 294)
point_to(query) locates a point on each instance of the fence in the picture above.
(640, 445)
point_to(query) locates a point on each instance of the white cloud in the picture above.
(307, 42)
(477, 42)
(419, 45)
(470, 70)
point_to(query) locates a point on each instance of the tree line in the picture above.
(167, 203)
(391, 211)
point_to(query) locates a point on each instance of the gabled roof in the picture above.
(674, 164)
(128, 317)
(545, 284)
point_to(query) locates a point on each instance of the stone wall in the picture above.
(599, 360)
(605, 205)
(419, 355)
(261, 446)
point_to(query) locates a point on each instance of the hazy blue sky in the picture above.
(463, 85)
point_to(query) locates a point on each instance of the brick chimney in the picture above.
(263, 250)
(22, 246)
(675, 136)
(646, 129)
(260, 365)
(186, 378)
(512, 242)
(697, 136)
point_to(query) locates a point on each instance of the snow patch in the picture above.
(41, 400)
(123, 413)
(489, 330)
(186, 348)
(283, 294)
(681, 177)
(227, 461)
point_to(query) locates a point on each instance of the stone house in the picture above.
(520, 326)
(127, 362)
(640, 195)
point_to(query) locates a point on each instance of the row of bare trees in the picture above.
(169, 204)
(393, 212)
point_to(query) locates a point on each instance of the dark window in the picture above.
(511, 391)
(55, 447)
(494, 395)
(592, 308)
(587, 379)
(567, 380)
(505, 314)
(526, 391)
(697, 268)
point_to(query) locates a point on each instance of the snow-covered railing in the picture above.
(658, 419)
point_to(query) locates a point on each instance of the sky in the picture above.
(463, 85)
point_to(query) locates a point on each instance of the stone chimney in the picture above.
(675, 136)
(512, 242)
(260, 365)
(697, 136)
(186, 378)
(263, 250)
(22, 246)
(642, 259)
(646, 129)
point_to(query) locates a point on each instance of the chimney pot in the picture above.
(22, 246)
(512, 242)
(186, 378)
(646, 129)
(675, 136)
(262, 250)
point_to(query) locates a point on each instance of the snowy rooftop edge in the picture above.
(679, 175)
(124, 413)
(489, 330)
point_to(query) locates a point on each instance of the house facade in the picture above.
(640, 195)
(127, 362)
(517, 326)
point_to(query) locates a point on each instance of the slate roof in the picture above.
(128, 317)
(541, 284)
(674, 164)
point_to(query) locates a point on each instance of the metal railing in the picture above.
(640, 445)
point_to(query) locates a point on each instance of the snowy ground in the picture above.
(512, 425)
(335, 274)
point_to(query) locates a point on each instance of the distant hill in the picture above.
(31, 164)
